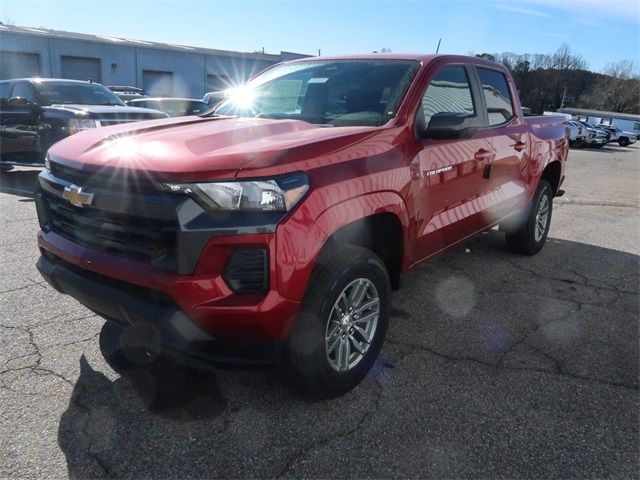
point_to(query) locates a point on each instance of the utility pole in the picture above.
(319, 52)
(438, 47)
(564, 94)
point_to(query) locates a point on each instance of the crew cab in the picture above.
(37, 112)
(280, 223)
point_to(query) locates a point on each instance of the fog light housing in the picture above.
(247, 270)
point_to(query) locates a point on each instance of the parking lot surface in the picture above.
(495, 365)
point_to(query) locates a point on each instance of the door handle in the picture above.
(519, 146)
(482, 154)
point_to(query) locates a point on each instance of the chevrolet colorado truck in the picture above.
(37, 112)
(281, 222)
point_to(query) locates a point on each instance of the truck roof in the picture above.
(46, 80)
(419, 57)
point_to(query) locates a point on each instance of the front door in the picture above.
(451, 172)
(19, 116)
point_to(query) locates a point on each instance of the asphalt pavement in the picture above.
(495, 365)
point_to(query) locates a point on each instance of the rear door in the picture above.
(450, 172)
(506, 174)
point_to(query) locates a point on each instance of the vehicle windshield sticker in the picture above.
(318, 80)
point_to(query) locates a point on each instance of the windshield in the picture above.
(76, 93)
(337, 93)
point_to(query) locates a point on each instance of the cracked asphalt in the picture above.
(495, 366)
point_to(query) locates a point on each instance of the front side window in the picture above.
(497, 95)
(336, 93)
(25, 91)
(448, 91)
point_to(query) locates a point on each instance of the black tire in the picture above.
(623, 141)
(524, 240)
(5, 168)
(338, 266)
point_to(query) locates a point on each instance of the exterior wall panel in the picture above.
(123, 61)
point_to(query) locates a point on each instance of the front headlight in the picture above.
(279, 194)
(79, 124)
(47, 162)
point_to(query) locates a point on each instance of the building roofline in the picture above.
(600, 113)
(111, 40)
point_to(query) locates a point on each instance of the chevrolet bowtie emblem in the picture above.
(76, 196)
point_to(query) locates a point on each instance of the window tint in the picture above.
(339, 93)
(449, 91)
(76, 93)
(24, 90)
(496, 95)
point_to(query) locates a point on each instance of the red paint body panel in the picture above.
(354, 172)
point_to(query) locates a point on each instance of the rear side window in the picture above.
(496, 95)
(448, 91)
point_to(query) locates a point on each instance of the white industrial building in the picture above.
(159, 68)
(624, 121)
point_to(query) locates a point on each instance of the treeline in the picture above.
(561, 79)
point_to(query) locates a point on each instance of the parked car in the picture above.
(623, 138)
(576, 133)
(596, 137)
(260, 226)
(174, 107)
(126, 93)
(35, 113)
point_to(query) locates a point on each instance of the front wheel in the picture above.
(623, 142)
(529, 238)
(5, 167)
(342, 323)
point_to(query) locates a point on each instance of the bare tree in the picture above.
(620, 89)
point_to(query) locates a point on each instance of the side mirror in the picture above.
(450, 125)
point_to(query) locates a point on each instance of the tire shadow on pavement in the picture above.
(566, 368)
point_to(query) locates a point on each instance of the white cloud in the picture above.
(524, 11)
(621, 9)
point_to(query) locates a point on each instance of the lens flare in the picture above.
(242, 96)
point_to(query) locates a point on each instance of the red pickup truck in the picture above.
(281, 222)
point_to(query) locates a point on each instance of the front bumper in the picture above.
(127, 304)
(203, 299)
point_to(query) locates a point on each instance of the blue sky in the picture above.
(602, 31)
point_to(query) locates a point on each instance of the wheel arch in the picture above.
(378, 222)
(552, 173)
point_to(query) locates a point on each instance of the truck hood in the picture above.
(200, 148)
(108, 111)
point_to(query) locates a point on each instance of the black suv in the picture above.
(35, 113)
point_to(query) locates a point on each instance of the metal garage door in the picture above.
(81, 68)
(157, 83)
(18, 64)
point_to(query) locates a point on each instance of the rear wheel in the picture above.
(343, 321)
(530, 237)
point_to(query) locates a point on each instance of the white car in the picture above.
(576, 133)
(617, 135)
